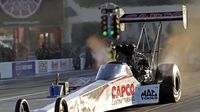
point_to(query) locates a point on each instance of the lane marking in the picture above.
(19, 96)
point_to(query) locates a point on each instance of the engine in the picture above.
(137, 61)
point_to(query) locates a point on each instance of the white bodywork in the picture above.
(104, 95)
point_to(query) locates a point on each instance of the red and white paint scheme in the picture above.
(141, 81)
(115, 87)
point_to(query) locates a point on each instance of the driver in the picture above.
(120, 57)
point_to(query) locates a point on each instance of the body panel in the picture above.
(103, 95)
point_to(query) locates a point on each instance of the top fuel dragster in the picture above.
(135, 78)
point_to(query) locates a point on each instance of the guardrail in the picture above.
(34, 67)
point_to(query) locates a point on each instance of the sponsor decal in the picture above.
(23, 69)
(54, 65)
(122, 94)
(63, 64)
(149, 94)
(42, 66)
(59, 65)
(121, 100)
(151, 15)
(122, 90)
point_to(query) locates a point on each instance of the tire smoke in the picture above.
(182, 46)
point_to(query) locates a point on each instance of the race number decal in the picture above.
(20, 8)
(147, 94)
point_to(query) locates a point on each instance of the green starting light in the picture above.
(112, 32)
(104, 33)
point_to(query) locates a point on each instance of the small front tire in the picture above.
(61, 105)
(22, 106)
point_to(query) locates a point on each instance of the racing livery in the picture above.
(116, 87)
(108, 92)
(135, 78)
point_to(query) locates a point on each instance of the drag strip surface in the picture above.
(34, 89)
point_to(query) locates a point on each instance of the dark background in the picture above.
(50, 12)
(93, 3)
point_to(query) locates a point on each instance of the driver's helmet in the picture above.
(118, 48)
(132, 48)
(125, 49)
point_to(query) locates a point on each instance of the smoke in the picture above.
(182, 46)
(99, 49)
(177, 50)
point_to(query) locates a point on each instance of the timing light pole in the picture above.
(110, 24)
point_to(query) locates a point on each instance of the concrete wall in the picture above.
(34, 67)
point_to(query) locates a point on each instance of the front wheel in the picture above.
(168, 75)
(61, 105)
(22, 106)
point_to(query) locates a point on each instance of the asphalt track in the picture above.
(35, 90)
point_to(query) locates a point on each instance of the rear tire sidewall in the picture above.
(168, 76)
(177, 84)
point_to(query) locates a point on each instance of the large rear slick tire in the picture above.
(169, 78)
(22, 106)
(61, 105)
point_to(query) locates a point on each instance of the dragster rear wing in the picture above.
(156, 16)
